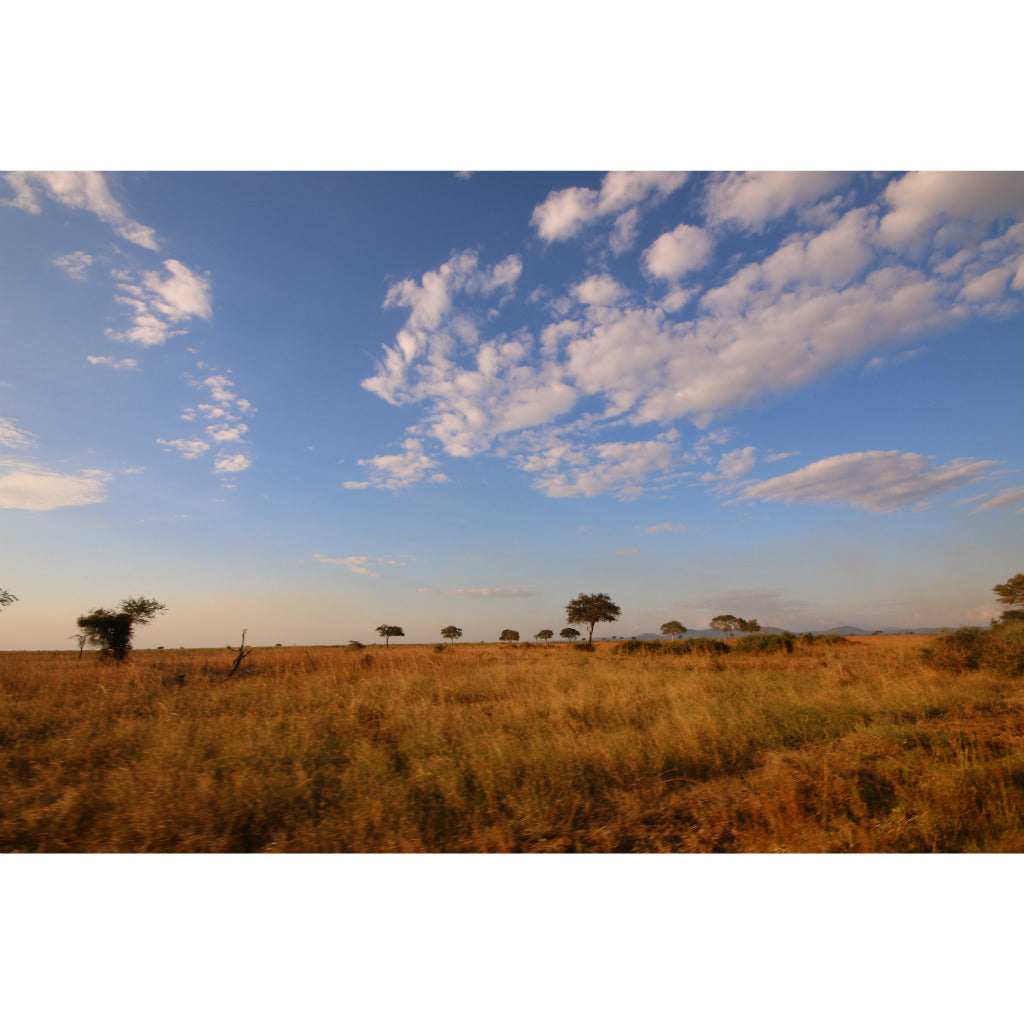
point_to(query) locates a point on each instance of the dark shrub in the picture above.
(823, 639)
(705, 645)
(971, 647)
(763, 643)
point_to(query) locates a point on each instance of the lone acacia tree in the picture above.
(509, 635)
(451, 633)
(1011, 593)
(544, 634)
(592, 609)
(569, 633)
(111, 631)
(730, 624)
(673, 629)
(389, 631)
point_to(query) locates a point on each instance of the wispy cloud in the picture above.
(161, 306)
(74, 264)
(360, 564)
(192, 449)
(34, 488)
(395, 472)
(666, 527)
(12, 436)
(113, 364)
(80, 190)
(1009, 496)
(878, 481)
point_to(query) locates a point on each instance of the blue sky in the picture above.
(311, 403)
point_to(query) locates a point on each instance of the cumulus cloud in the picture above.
(113, 364)
(186, 449)
(676, 253)
(74, 264)
(734, 464)
(161, 305)
(12, 436)
(236, 463)
(599, 290)
(878, 481)
(34, 488)
(396, 472)
(566, 211)
(80, 190)
(751, 199)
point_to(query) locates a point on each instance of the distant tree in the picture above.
(569, 633)
(749, 626)
(727, 624)
(511, 635)
(389, 631)
(6, 598)
(673, 629)
(1011, 593)
(544, 634)
(451, 633)
(111, 631)
(81, 639)
(592, 609)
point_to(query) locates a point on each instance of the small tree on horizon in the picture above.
(111, 631)
(451, 633)
(592, 609)
(511, 635)
(673, 629)
(1011, 593)
(389, 631)
(727, 624)
(544, 634)
(569, 633)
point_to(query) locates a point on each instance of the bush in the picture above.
(764, 643)
(971, 647)
(705, 645)
(823, 639)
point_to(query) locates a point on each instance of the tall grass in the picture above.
(864, 747)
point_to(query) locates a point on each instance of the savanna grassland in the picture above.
(859, 746)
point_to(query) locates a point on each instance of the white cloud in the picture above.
(34, 488)
(231, 463)
(921, 200)
(113, 364)
(879, 481)
(599, 290)
(81, 190)
(360, 563)
(396, 472)
(566, 211)
(734, 464)
(223, 434)
(1010, 496)
(159, 303)
(187, 449)
(12, 436)
(74, 264)
(751, 199)
(666, 528)
(676, 253)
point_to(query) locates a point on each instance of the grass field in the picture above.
(862, 746)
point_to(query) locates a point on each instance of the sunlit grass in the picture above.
(530, 748)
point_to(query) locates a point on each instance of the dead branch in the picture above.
(242, 653)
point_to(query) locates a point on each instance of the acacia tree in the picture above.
(451, 633)
(569, 633)
(730, 624)
(6, 598)
(1011, 593)
(389, 631)
(592, 609)
(673, 629)
(544, 634)
(111, 631)
(509, 634)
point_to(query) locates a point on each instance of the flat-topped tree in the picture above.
(111, 631)
(509, 635)
(569, 633)
(389, 631)
(451, 633)
(544, 634)
(592, 609)
(673, 629)
(1011, 593)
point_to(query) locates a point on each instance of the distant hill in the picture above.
(718, 634)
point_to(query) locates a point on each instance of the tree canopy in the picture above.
(569, 633)
(111, 631)
(451, 633)
(389, 631)
(730, 624)
(543, 634)
(509, 635)
(592, 609)
(1011, 593)
(673, 628)
(6, 598)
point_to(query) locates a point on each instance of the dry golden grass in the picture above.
(862, 747)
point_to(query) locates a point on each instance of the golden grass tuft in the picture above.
(862, 747)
